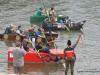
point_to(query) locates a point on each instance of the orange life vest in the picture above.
(69, 52)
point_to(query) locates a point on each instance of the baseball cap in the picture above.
(18, 44)
(25, 40)
(48, 44)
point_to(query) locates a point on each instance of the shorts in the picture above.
(18, 70)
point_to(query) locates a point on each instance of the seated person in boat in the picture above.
(31, 31)
(46, 49)
(69, 21)
(25, 46)
(53, 20)
(47, 19)
(10, 29)
(39, 33)
(39, 46)
(20, 30)
(52, 12)
(40, 11)
(62, 21)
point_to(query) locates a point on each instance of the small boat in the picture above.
(71, 26)
(37, 39)
(35, 18)
(32, 57)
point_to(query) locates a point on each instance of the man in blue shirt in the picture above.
(25, 46)
(63, 20)
(39, 33)
(46, 49)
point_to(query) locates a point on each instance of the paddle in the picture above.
(55, 10)
(43, 35)
(52, 38)
(27, 36)
(45, 8)
(35, 49)
(67, 28)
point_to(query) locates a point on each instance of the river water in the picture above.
(17, 12)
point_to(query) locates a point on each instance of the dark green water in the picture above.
(17, 12)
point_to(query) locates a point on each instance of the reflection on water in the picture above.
(40, 68)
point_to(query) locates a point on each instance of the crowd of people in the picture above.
(53, 19)
(20, 31)
(21, 49)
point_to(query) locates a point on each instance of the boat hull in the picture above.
(70, 26)
(20, 38)
(32, 57)
(35, 18)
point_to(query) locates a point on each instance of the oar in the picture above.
(45, 9)
(43, 35)
(52, 38)
(55, 10)
(35, 49)
(27, 36)
(43, 5)
(67, 28)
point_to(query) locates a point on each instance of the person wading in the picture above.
(69, 56)
(18, 60)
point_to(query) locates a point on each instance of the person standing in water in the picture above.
(69, 56)
(18, 59)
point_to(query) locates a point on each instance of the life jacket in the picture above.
(39, 50)
(7, 31)
(20, 31)
(30, 32)
(69, 52)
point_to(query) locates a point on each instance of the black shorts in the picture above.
(18, 70)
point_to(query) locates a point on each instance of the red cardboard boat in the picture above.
(32, 57)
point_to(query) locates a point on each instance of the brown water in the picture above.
(88, 54)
